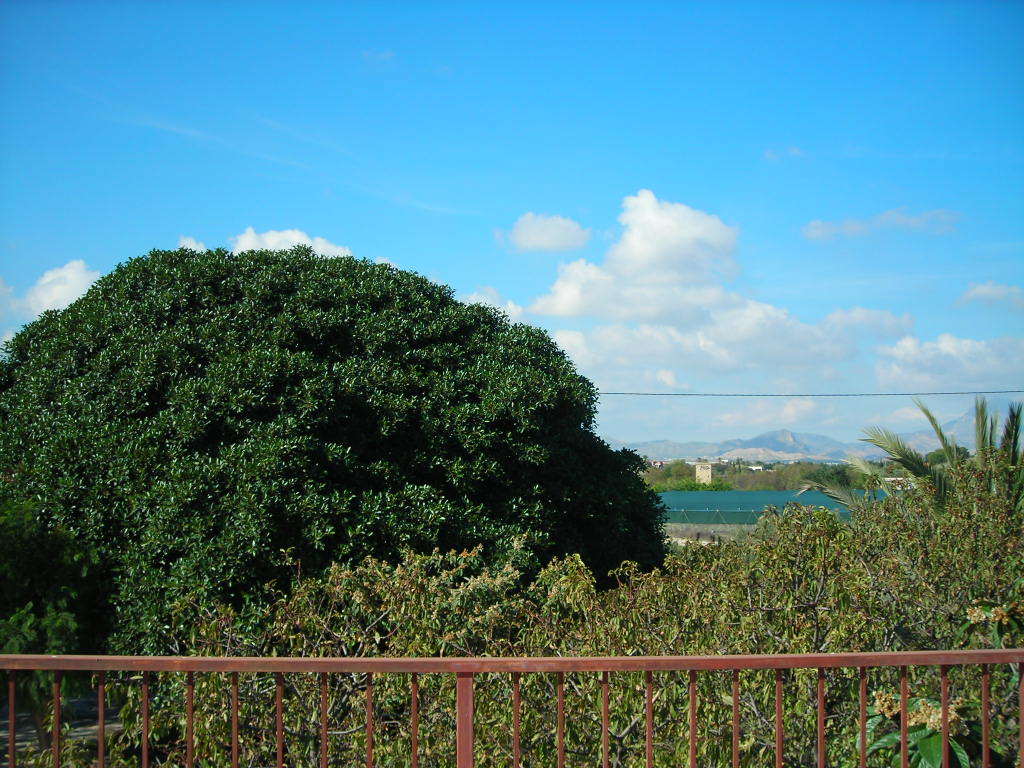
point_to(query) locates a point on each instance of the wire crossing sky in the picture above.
(816, 394)
(690, 197)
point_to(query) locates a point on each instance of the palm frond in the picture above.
(898, 450)
(844, 495)
(984, 427)
(865, 467)
(1010, 442)
(1009, 446)
(949, 447)
(943, 484)
(874, 476)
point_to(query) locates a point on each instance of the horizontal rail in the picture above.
(485, 664)
(466, 668)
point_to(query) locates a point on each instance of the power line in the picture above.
(818, 394)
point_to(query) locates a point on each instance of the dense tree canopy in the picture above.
(201, 419)
(44, 574)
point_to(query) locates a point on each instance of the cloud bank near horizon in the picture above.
(658, 311)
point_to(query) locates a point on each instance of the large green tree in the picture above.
(206, 420)
(45, 586)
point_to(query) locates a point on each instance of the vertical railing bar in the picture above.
(145, 720)
(190, 690)
(369, 723)
(561, 719)
(863, 717)
(986, 758)
(234, 720)
(323, 719)
(821, 718)
(415, 724)
(1020, 713)
(904, 697)
(56, 719)
(279, 716)
(944, 677)
(101, 717)
(693, 718)
(464, 748)
(516, 704)
(779, 738)
(605, 722)
(649, 679)
(12, 700)
(735, 718)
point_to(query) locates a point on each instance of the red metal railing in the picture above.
(466, 668)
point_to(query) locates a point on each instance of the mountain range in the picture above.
(784, 445)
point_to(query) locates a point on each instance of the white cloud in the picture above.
(660, 295)
(748, 337)
(879, 321)
(797, 409)
(274, 239)
(576, 346)
(994, 293)
(757, 333)
(666, 377)
(763, 412)
(537, 232)
(950, 362)
(54, 290)
(59, 287)
(902, 414)
(658, 308)
(489, 295)
(664, 266)
(939, 221)
(671, 241)
(191, 244)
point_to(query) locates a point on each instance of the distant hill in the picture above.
(784, 445)
(779, 445)
(962, 427)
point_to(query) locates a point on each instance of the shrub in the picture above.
(199, 418)
(892, 579)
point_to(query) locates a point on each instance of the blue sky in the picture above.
(691, 197)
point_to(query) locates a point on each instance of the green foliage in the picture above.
(670, 474)
(681, 476)
(938, 456)
(804, 581)
(783, 477)
(194, 416)
(687, 484)
(829, 473)
(48, 600)
(924, 733)
(42, 573)
(1001, 621)
(716, 484)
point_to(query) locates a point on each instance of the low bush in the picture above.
(894, 578)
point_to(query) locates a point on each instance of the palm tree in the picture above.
(999, 462)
